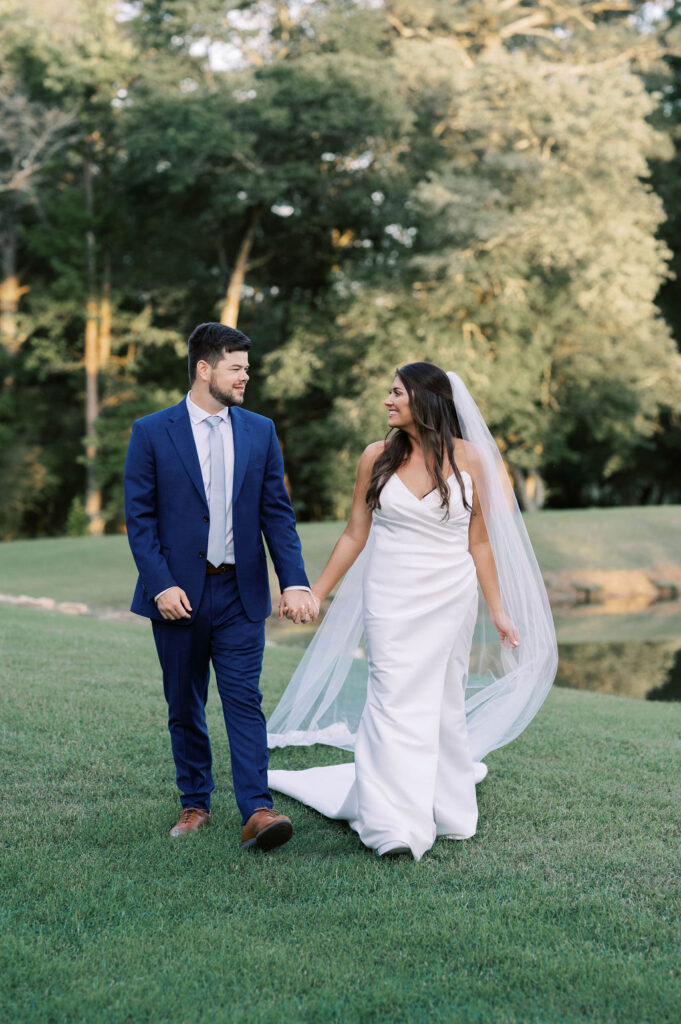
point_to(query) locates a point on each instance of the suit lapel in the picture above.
(242, 447)
(180, 430)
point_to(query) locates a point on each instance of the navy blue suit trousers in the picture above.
(220, 632)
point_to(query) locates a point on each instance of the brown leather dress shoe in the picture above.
(191, 820)
(265, 829)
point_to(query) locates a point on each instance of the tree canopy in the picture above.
(488, 185)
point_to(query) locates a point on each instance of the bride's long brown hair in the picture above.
(432, 408)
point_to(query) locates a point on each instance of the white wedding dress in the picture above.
(413, 777)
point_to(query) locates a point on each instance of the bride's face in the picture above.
(397, 404)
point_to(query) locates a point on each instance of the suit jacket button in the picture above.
(206, 519)
(202, 554)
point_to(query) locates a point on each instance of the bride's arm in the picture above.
(481, 552)
(353, 538)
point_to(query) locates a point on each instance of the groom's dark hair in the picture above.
(210, 342)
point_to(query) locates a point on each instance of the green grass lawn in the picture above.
(660, 624)
(606, 538)
(565, 907)
(101, 572)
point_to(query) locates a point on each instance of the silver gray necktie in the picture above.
(218, 495)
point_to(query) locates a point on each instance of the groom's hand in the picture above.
(298, 605)
(174, 604)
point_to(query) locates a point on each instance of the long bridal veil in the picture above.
(505, 688)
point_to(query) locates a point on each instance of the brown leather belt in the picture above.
(218, 570)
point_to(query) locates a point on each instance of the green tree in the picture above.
(186, 192)
(65, 78)
(528, 249)
(360, 185)
(652, 473)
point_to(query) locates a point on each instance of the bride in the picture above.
(433, 519)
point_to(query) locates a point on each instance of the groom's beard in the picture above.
(227, 398)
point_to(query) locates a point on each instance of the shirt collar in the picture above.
(198, 415)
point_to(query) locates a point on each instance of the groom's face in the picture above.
(228, 379)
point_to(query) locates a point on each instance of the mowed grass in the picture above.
(659, 624)
(606, 538)
(100, 571)
(565, 906)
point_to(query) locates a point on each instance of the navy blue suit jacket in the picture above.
(167, 514)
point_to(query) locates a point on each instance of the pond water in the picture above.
(634, 654)
(646, 664)
(642, 669)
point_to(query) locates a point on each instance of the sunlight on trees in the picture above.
(489, 185)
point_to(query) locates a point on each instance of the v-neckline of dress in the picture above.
(409, 490)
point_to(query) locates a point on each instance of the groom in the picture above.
(204, 482)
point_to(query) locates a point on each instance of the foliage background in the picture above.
(491, 185)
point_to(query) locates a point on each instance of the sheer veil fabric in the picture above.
(324, 700)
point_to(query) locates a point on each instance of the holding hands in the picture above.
(300, 606)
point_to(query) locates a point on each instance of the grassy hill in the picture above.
(100, 571)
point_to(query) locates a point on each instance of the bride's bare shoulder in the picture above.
(466, 455)
(369, 456)
(372, 451)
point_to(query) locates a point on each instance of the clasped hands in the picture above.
(299, 606)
